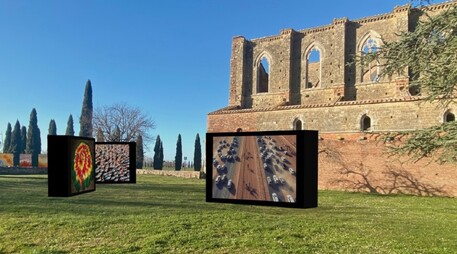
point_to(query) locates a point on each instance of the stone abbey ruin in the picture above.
(300, 79)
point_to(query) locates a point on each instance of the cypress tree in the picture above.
(156, 160)
(38, 142)
(100, 136)
(15, 147)
(85, 121)
(161, 155)
(70, 130)
(23, 138)
(33, 145)
(197, 154)
(7, 142)
(52, 127)
(139, 152)
(178, 157)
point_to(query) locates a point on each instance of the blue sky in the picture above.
(170, 58)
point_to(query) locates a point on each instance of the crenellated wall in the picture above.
(295, 81)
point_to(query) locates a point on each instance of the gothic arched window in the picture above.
(313, 68)
(263, 75)
(370, 68)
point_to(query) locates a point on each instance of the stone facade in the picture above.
(326, 94)
(385, 114)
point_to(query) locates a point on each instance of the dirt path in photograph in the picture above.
(252, 184)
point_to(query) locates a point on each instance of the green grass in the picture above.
(163, 214)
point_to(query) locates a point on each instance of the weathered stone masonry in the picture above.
(343, 102)
(340, 84)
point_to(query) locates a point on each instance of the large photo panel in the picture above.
(71, 165)
(266, 168)
(82, 165)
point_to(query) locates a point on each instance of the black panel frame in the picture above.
(132, 160)
(306, 172)
(59, 164)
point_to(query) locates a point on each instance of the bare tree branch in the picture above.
(131, 122)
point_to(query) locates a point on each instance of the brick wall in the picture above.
(355, 160)
(364, 165)
(183, 174)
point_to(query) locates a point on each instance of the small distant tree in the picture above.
(100, 136)
(178, 157)
(7, 142)
(16, 143)
(52, 128)
(197, 154)
(23, 138)
(38, 146)
(85, 121)
(156, 159)
(33, 145)
(70, 130)
(161, 155)
(139, 152)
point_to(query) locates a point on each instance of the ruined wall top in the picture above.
(364, 20)
(310, 66)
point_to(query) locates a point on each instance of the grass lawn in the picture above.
(163, 214)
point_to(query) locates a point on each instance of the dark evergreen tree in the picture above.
(85, 121)
(15, 147)
(156, 159)
(178, 157)
(33, 145)
(100, 137)
(23, 138)
(38, 142)
(7, 142)
(139, 152)
(70, 130)
(197, 154)
(52, 128)
(161, 155)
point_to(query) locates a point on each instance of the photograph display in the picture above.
(42, 160)
(6, 159)
(82, 167)
(112, 162)
(71, 165)
(272, 168)
(25, 160)
(261, 168)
